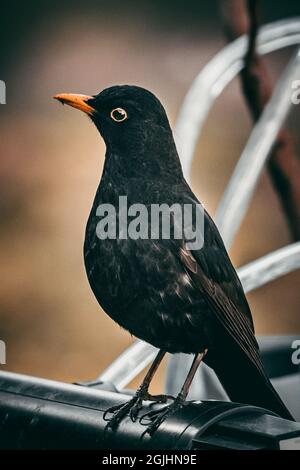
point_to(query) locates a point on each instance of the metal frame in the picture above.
(207, 86)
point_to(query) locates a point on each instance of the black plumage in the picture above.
(160, 291)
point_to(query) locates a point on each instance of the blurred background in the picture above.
(52, 157)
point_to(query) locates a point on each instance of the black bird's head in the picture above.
(133, 124)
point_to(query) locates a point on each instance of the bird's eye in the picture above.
(118, 114)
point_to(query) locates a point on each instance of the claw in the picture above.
(157, 417)
(112, 409)
(133, 406)
(119, 412)
(134, 411)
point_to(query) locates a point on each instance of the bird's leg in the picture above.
(135, 403)
(158, 416)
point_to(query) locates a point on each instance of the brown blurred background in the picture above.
(52, 157)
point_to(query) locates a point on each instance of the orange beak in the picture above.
(76, 101)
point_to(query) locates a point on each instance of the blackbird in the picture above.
(176, 298)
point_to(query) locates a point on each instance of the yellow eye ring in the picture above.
(118, 114)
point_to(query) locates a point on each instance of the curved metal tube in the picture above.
(216, 75)
(240, 188)
(270, 267)
(129, 364)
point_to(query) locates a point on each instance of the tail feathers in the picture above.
(244, 383)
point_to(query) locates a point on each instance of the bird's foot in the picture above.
(120, 411)
(156, 417)
(131, 407)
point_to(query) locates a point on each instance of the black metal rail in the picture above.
(42, 414)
